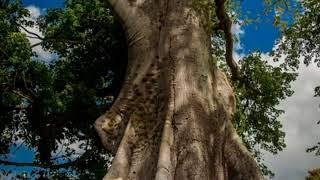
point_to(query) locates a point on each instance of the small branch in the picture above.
(19, 93)
(225, 25)
(17, 148)
(54, 166)
(71, 41)
(4, 53)
(64, 156)
(36, 44)
(25, 85)
(32, 37)
(37, 36)
(29, 32)
(49, 166)
(64, 40)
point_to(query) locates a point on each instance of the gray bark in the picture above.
(172, 118)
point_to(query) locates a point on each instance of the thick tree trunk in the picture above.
(172, 117)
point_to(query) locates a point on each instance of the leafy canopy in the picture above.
(51, 107)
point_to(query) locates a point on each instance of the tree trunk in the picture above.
(171, 119)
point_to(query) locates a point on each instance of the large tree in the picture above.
(49, 106)
(172, 118)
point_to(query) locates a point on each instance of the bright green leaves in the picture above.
(301, 42)
(262, 86)
(257, 118)
(302, 38)
(15, 56)
(260, 92)
(17, 47)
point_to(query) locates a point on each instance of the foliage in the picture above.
(259, 92)
(14, 62)
(257, 117)
(302, 41)
(51, 107)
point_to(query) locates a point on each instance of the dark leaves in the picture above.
(51, 107)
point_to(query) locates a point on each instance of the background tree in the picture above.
(301, 43)
(50, 106)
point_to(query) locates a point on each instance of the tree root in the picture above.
(241, 164)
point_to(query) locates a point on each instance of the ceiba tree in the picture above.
(172, 118)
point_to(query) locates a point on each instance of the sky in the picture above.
(301, 110)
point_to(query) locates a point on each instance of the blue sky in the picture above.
(20, 154)
(301, 109)
(258, 37)
(43, 4)
(261, 36)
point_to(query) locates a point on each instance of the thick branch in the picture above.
(225, 25)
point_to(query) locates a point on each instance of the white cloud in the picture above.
(302, 112)
(34, 12)
(299, 123)
(47, 56)
(237, 31)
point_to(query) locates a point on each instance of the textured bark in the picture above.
(171, 119)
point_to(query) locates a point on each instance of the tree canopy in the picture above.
(50, 107)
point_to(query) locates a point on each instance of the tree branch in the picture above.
(71, 41)
(36, 44)
(19, 93)
(37, 36)
(54, 166)
(25, 85)
(4, 53)
(29, 32)
(49, 166)
(32, 37)
(225, 25)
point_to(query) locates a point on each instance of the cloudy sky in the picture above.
(299, 121)
(35, 12)
(302, 109)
